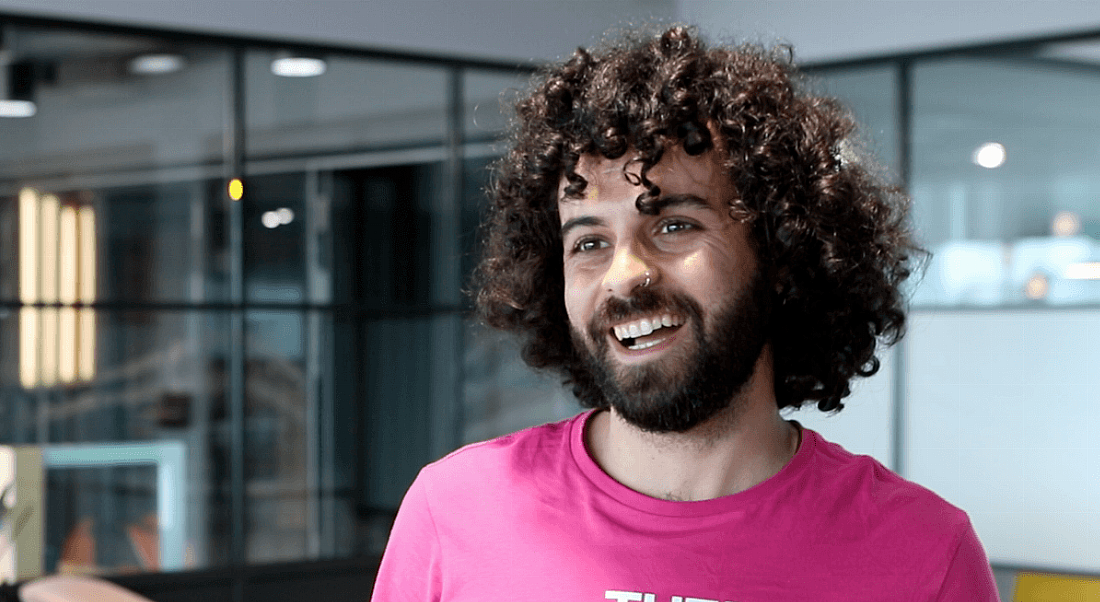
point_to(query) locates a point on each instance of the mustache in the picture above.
(643, 303)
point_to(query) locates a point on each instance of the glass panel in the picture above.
(490, 97)
(159, 379)
(104, 519)
(871, 93)
(355, 105)
(143, 241)
(274, 239)
(392, 237)
(278, 421)
(475, 174)
(102, 115)
(1006, 178)
(501, 393)
(410, 382)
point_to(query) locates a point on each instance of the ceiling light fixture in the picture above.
(288, 65)
(17, 90)
(990, 155)
(156, 64)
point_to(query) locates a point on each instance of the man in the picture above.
(694, 245)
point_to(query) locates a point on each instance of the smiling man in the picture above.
(693, 244)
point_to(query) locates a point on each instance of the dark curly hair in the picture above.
(830, 234)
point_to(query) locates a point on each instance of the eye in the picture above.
(674, 227)
(589, 244)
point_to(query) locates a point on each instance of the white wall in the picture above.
(837, 29)
(1001, 414)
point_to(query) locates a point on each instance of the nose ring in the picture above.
(646, 283)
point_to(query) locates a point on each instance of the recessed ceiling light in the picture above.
(156, 64)
(990, 155)
(298, 66)
(17, 108)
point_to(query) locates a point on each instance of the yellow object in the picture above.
(236, 189)
(1045, 587)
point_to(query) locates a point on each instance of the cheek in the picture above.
(713, 270)
(574, 301)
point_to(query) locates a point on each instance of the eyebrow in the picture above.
(577, 222)
(656, 205)
(663, 202)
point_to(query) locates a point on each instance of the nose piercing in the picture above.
(646, 283)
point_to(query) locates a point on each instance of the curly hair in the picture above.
(830, 233)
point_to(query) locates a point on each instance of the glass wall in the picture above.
(301, 340)
(999, 151)
(308, 347)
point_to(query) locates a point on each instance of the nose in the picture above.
(628, 271)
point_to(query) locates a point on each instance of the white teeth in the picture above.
(644, 327)
(640, 346)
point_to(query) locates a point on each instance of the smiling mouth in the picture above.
(645, 333)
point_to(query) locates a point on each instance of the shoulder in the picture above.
(879, 497)
(501, 463)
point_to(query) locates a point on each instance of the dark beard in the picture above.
(652, 396)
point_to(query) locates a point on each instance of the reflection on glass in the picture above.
(95, 114)
(277, 421)
(1004, 180)
(488, 104)
(57, 264)
(274, 262)
(101, 521)
(356, 105)
(871, 94)
(160, 376)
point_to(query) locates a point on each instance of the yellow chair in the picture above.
(1047, 587)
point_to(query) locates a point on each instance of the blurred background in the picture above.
(234, 237)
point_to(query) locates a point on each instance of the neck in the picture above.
(738, 448)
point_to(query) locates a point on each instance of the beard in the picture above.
(678, 391)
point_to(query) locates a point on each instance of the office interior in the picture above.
(233, 321)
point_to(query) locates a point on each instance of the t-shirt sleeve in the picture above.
(969, 577)
(410, 569)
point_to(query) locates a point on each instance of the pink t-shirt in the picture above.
(531, 517)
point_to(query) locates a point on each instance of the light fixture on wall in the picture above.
(288, 64)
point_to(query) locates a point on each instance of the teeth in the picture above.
(640, 346)
(644, 327)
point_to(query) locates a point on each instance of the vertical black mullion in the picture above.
(904, 108)
(237, 355)
(455, 140)
(360, 347)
